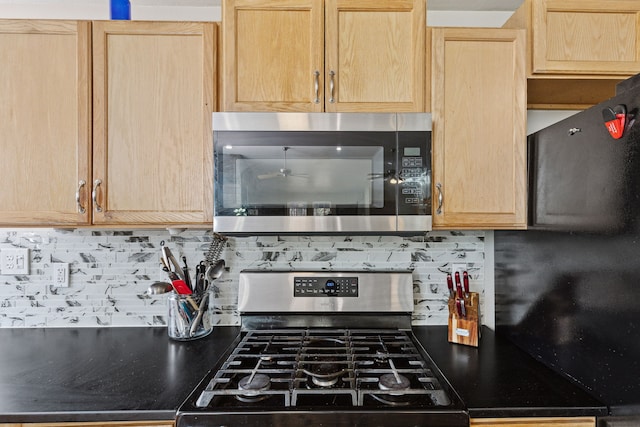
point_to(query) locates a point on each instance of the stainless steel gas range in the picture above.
(324, 349)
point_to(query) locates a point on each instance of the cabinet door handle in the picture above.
(81, 184)
(440, 199)
(332, 86)
(316, 85)
(94, 195)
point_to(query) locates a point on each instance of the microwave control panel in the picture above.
(411, 185)
(414, 186)
(412, 173)
(325, 286)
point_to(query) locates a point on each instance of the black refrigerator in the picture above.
(583, 171)
(568, 288)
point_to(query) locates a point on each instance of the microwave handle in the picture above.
(440, 199)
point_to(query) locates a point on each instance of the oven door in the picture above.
(317, 172)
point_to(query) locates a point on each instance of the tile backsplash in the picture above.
(110, 271)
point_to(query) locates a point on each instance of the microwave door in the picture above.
(290, 180)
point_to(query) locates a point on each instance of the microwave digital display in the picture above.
(411, 151)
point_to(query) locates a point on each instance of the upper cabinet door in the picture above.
(375, 55)
(586, 36)
(272, 55)
(153, 100)
(45, 131)
(479, 142)
(323, 55)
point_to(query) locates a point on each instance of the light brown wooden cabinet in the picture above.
(45, 120)
(581, 36)
(578, 50)
(137, 152)
(479, 135)
(153, 97)
(533, 422)
(323, 55)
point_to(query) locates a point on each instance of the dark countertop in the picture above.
(101, 374)
(497, 379)
(126, 374)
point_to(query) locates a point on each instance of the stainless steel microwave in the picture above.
(322, 172)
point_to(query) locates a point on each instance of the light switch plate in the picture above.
(14, 261)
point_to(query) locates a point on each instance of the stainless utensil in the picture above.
(185, 273)
(172, 261)
(212, 273)
(158, 288)
(198, 319)
(215, 270)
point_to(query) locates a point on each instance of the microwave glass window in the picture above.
(287, 173)
(279, 176)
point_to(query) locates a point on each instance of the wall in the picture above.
(111, 271)
(208, 10)
(161, 10)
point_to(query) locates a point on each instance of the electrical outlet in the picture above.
(60, 274)
(14, 261)
(459, 268)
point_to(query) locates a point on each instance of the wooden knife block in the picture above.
(465, 331)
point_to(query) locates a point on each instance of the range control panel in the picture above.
(325, 286)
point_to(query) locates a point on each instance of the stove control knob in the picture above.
(331, 288)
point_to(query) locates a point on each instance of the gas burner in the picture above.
(394, 382)
(325, 381)
(253, 385)
(392, 400)
(326, 373)
(267, 360)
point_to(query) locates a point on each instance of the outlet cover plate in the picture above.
(60, 274)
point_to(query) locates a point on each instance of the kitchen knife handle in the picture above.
(332, 75)
(94, 194)
(81, 184)
(465, 283)
(458, 284)
(440, 198)
(452, 292)
(316, 84)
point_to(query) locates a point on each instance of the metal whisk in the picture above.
(215, 248)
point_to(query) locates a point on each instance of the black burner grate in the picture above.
(324, 367)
